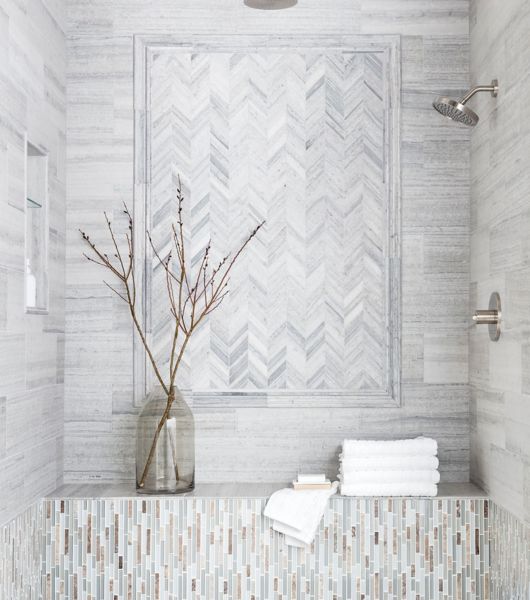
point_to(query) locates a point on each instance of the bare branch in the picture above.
(113, 238)
(102, 257)
(207, 287)
(116, 291)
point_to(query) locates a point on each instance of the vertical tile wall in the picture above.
(500, 261)
(270, 444)
(500, 254)
(32, 101)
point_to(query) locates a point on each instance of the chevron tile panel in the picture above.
(296, 137)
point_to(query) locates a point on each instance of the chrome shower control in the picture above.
(491, 317)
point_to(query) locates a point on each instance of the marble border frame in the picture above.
(390, 45)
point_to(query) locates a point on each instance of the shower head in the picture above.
(456, 110)
(270, 4)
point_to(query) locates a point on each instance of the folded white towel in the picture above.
(405, 477)
(413, 447)
(297, 514)
(389, 489)
(386, 463)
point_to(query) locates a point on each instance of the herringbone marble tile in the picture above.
(296, 138)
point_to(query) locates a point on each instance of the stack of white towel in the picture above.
(389, 468)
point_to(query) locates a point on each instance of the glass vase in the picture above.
(165, 445)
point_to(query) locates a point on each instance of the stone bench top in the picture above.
(229, 490)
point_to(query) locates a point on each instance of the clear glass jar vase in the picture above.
(165, 445)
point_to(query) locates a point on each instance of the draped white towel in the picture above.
(390, 489)
(418, 446)
(404, 477)
(297, 513)
(384, 463)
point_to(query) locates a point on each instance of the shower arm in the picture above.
(493, 89)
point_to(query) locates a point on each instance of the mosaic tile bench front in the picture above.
(213, 548)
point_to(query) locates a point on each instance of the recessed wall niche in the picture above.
(36, 208)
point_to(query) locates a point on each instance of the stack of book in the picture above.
(311, 482)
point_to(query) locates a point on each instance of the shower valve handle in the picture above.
(491, 317)
(486, 317)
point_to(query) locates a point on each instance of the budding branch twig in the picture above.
(191, 298)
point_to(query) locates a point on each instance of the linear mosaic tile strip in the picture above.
(510, 556)
(187, 549)
(20, 555)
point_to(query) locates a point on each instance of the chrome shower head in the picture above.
(270, 4)
(456, 110)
